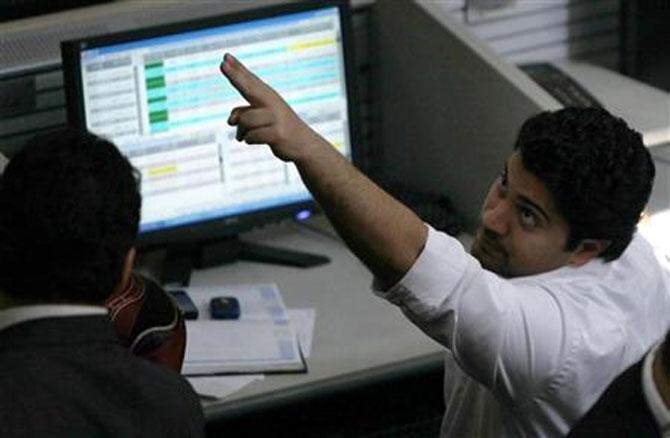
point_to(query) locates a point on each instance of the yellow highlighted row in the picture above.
(162, 170)
(312, 44)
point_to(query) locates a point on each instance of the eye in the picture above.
(527, 217)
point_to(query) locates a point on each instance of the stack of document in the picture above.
(262, 340)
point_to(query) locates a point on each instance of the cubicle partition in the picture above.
(449, 107)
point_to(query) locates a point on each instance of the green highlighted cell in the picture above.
(151, 65)
(158, 116)
(157, 82)
(157, 99)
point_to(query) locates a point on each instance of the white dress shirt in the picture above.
(19, 314)
(529, 356)
(653, 397)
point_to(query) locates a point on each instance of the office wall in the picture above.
(525, 31)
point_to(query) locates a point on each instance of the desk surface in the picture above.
(359, 338)
(645, 108)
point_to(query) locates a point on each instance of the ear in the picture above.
(587, 250)
(126, 270)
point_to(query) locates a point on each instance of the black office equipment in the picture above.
(158, 94)
(224, 308)
(433, 208)
(560, 85)
(184, 304)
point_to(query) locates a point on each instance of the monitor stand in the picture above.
(181, 260)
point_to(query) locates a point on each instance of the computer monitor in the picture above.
(158, 94)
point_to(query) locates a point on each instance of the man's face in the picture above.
(522, 232)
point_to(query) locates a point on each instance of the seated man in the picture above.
(560, 294)
(636, 404)
(69, 215)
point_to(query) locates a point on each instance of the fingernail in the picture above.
(226, 60)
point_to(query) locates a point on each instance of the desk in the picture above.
(359, 338)
(645, 108)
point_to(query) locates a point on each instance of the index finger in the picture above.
(254, 90)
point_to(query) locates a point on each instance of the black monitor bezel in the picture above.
(221, 227)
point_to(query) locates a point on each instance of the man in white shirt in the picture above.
(637, 403)
(561, 294)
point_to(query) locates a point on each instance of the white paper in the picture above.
(221, 386)
(303, 321)
(261, 340)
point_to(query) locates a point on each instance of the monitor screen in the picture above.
(159, 96)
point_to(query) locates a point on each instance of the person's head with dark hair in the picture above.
(573, 190)
(69, 217)
(596, 168)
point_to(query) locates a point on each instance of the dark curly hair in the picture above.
(597, 169)
(69, 213)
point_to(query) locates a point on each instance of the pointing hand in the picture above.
(267, 119)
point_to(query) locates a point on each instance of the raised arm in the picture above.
(387, 236)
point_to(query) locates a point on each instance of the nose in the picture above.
(497, 217)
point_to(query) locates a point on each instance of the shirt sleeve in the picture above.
(507, 334)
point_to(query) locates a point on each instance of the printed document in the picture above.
(262, 340)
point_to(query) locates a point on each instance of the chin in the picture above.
(503, 271)
(493, 264)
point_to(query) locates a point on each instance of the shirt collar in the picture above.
(654, 400)
(18, 314)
